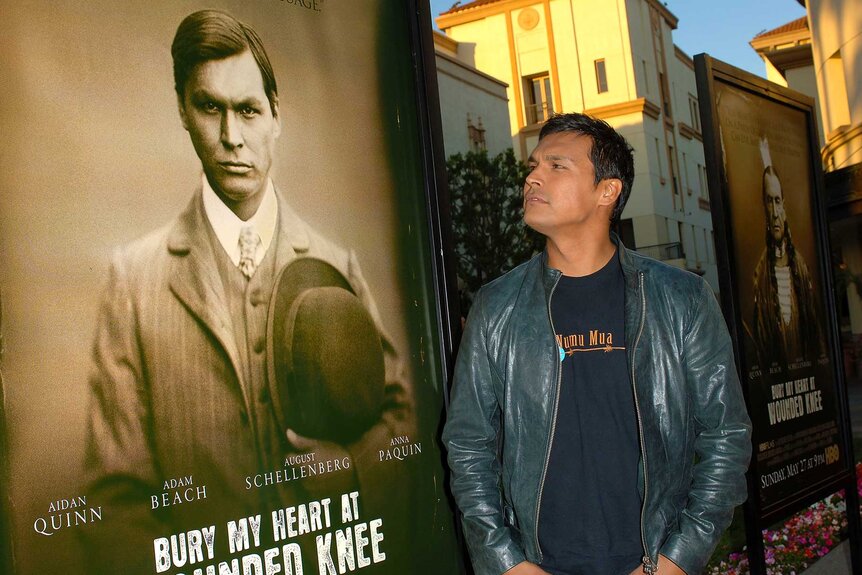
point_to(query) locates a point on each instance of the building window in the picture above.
(540, 103)
(665, 95)
(476, 135)
(694, 246)
(626, 232)
(684, 175)
(712, 244)
(646, 77)
(695, 113)
(601, 76)
(680, 229)
(658, 161)
(707, 247)
(671, 168)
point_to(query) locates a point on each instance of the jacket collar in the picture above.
(630, 263)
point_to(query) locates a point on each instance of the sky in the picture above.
(721, 28)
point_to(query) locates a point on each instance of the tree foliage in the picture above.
(487, 218)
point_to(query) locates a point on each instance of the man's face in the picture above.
(226, 112)
(774, 198)
(560, 193)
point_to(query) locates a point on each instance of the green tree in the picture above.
(490, 236)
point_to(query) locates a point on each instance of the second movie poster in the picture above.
(219, 319)
(784, 326)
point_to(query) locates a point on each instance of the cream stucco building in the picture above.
(474, 107)
(614, 59)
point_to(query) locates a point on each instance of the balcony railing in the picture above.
(663, 252)
(537, 113)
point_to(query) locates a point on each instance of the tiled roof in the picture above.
(475, 4)
(798, 24)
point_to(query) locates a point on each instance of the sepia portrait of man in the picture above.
(251, 346)
(786, 327)
(179, 354)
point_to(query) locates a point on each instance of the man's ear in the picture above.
(610, 190)
(183, 118)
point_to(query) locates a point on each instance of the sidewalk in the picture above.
(836, 562)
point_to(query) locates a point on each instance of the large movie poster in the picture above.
(219, 325)
(770, 212)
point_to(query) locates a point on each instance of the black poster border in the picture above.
(439, 219)
(757, 518)
(436, 189)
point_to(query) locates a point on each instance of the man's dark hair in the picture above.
(611, 155)
(212, 35)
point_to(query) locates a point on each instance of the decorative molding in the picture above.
(641, 105)
(796, 32)
(445, 42)
(683, 57)
(552, 50)
(532, 129)
(528, 18)
(788, 58)
(688, 132)
(472, 71)
(668, 16)
(468, 14)
(517, 84)
(838, 138)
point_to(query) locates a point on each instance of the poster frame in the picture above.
(436, 187)
(708, 71)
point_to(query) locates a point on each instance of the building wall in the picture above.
(693, 205)
(793, 65)
(479, 45)
(469, 97)
(517, 40)
(801, 79)
(836, 45)
(837, 51)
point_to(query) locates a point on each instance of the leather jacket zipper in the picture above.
(649, 567)
(553, 422)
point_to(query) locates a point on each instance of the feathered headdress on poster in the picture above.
(764, 153)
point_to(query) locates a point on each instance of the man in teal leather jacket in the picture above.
(627, 460)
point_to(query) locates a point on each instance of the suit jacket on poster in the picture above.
(168, 400)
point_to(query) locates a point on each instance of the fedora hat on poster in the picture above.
(324, 357)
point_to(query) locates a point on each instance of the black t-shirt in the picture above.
(589, 518)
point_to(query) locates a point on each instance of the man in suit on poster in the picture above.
(179, 392)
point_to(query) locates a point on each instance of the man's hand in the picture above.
(326, 454)
(665, 567)
(526, 568)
